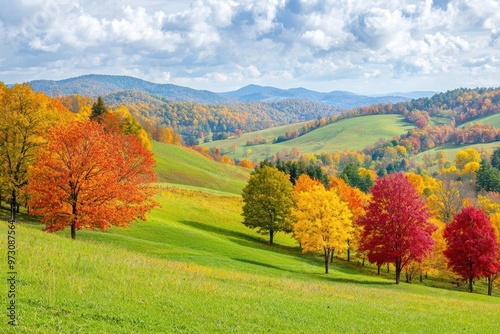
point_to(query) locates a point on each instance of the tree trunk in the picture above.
(271, 237)
(363, 263)
(470, 283)
(331, 255)
(73, 223)
(398, 271)
(327, 254)
(490, 285)
(348, 254)
(387, 267)
(13, 206)
(378, 270)
(421, 278)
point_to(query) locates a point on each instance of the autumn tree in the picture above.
(89, 178)
(268, 201)
(396, 226)
(25, 117)
(322, 221)
(356, 201)
(472, 249)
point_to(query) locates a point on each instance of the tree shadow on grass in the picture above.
(267, 265)
(334, 279)
(220, 230)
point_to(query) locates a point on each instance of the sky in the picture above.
(362, 46)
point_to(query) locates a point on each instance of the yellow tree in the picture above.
(490, 202)
(356, 201)
(322, 221)
(304, 183)
(25, 117)
(466, 156)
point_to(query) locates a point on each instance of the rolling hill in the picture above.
(353, 133)
(95, 85)
(183, 166)
(342, 99)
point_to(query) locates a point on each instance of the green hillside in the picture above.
(194, 268)
(493, 120)
(452, 150)
(180, 165)
(353, 133)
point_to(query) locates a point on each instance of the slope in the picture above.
(180, 165)
(353, 133)
(194, 268)
(493, 120)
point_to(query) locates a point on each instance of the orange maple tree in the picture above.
(89, 178)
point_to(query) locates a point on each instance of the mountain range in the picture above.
(100, 85)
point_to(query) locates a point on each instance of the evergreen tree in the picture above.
(98, 108)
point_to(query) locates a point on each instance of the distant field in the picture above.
(181, 165)
(194, 268)
(354, 133)
(452, 150)
(493, 120)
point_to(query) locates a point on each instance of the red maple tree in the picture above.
(472, 247)
(396, 227)
(89, 178)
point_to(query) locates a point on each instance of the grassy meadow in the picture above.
(194, 268)
(354, 134)
(181, 165)
(493, 120)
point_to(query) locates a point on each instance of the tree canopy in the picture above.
(268, 201)
(396, 226)
(89, 178)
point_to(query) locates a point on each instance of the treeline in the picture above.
(218, 121)
(446, 225)
(452, 108)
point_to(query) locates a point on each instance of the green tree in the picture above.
(488, 177)
(495, 158)
(351, 176)
(98, 108)
(268, 201)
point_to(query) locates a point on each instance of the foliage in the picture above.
(296, 168)
(268, 201)
(472, 248)
(25, 117)
(322, 222)
(352, 177)
(87, 178)
(396, 226)
(488, 177)
(98, 108)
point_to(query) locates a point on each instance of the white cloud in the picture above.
(239, 41)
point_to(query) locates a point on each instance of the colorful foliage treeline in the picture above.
(420, 224)
(90, 169)
(217, 121)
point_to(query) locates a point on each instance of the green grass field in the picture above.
(194, 268)
(493, 120)
(180, 165)
(354, 133)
